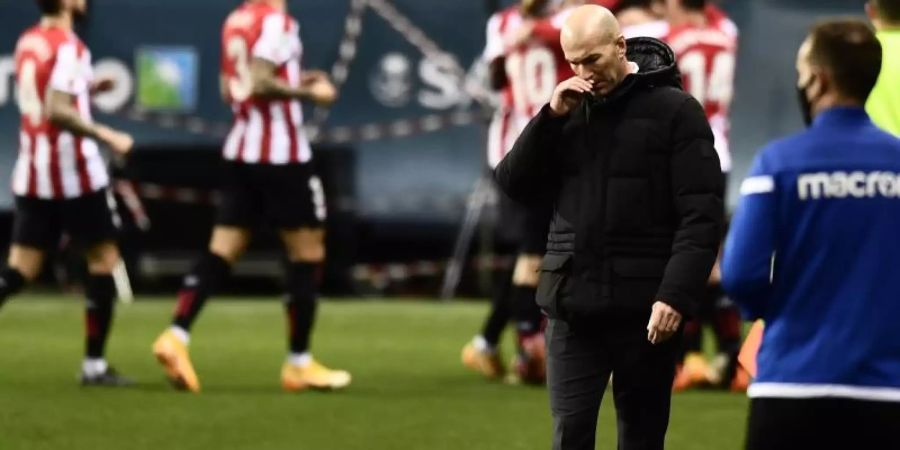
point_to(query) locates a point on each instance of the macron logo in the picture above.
(814, 186)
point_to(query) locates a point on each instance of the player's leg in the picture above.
(295, 203)
(226, 246)
(23, 266)
(727, 327)
(693, 367)
(305, 254)
(93, 221)
(531, 359)
(36, 226)
(100, 295)
(482, 353)
(237, 212)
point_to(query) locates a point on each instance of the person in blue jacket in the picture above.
(812, 251)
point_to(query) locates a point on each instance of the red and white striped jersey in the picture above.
(54, 163)
(706, 57)
(660, 28)
(533, 70)
(265, 131)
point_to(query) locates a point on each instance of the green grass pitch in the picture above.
(409, 390)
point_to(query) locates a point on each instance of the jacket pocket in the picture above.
(552, 284)
(636, 280)
(627, 205)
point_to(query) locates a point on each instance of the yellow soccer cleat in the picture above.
(172, 353)
(488, 364)
(313, 376)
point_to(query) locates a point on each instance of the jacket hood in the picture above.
(655, 60)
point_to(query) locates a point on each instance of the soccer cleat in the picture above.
(313, 376)
(530, 365)
(109, 378)
(172, 353)
(486, 363)
(692, 373)
(717, 370)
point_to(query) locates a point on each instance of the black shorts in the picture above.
(822, 423)
(524, 227)
(283, 196)
(89, 219)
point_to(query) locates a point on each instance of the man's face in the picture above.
(598, 61)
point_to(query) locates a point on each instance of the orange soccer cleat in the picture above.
(172, 353)
(313, 376)
(487, 363)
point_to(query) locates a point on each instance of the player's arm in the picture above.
(274, 49)
(62, 113)
(750, 247)
(493, 54)
(223, 89)
(314, 85)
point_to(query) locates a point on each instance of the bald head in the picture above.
(594, 47)
(589, 23)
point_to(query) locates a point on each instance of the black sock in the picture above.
(526, 312)
(300, 306)
(728, 326)
(100, 292)
(11, 282)
(204, 279)
(500, 309)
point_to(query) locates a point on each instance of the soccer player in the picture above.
(526, 65)
(642, 18)
(705, 46)
(269, 176)
(812, 252)
(60, 181)
(647, 18)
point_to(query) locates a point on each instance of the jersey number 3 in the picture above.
(240, 86)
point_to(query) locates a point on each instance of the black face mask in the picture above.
(805, 103)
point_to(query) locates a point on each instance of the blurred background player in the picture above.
(269, 176)
(526, 64)
(705, 44)
(884, 103)
(60, 181)
(647, 18)
(642, 18)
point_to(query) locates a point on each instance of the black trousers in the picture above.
(822, 424)
(579, 364)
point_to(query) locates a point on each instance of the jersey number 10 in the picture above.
(532, 77)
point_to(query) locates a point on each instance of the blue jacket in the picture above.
(813, 250)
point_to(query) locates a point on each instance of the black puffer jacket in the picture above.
(636, 183)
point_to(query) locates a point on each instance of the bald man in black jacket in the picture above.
(629, 159)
